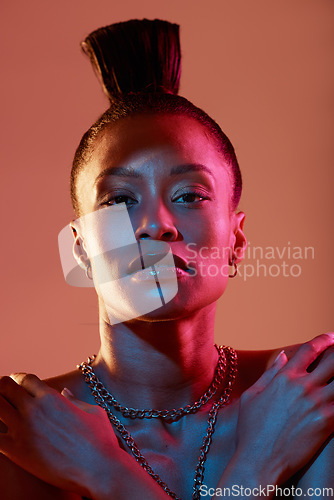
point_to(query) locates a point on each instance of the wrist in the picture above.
(245, 470)
(121, 478)
(105, 482)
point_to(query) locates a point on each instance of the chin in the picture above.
(188, 301)
(175, 310)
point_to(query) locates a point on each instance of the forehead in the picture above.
(155, 141)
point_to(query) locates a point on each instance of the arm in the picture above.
(53, 444)
(16, 483)
(319, 472)
(284, 418)
(128, 481)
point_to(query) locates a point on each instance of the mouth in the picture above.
(146, 261)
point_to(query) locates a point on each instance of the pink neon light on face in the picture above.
(168, 173)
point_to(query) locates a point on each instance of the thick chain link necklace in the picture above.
(104, 399)
(151, 413)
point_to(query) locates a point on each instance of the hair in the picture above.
(138, 63)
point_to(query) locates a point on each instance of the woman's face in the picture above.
(167, 172)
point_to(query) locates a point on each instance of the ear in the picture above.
(238, 241)
(79, 249)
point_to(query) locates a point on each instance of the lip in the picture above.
(162, 273)
(153, 259)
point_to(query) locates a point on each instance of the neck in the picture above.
(158, 364)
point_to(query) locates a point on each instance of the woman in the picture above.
(152, 178)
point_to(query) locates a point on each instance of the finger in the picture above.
(309, 351)
(12, 392)
(7, 412)
(270, 373)
(324, 371)
(32, 384)
(3, 428)
(78, 403)
(5, 442)
(328, 393)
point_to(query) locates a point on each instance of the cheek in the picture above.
(209, 254)
(110, 242)
(211, 236)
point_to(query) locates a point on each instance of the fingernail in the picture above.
(16, 374)
(66, 392)
(279, 355)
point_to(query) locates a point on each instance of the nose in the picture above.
(156, 223)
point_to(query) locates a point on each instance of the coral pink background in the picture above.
(262, 69)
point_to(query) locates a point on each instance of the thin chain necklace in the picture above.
(104, 399)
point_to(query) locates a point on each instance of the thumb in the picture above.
(77, 402)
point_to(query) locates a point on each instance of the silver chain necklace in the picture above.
(152, 413)
(104, 399)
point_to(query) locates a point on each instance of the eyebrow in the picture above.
(119, 172)
(131, 172)
(190, 167)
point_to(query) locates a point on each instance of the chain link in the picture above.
(103, 398)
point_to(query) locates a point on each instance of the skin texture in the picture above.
(279, 415)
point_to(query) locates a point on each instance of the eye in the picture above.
(121, 198)
(190, 197)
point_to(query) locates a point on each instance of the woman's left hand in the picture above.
(65, 442)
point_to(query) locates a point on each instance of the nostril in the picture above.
(167, 236)
(162, 231)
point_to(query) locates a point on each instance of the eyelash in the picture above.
(114, 198)
(193, 192)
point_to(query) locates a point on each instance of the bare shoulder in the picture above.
(74, 381)
(16, 484)
(252, 364)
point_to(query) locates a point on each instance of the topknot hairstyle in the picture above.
(138, 63)
(136, 56)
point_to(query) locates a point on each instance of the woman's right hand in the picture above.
(60, 440)
(67, 443)
(287, 415)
